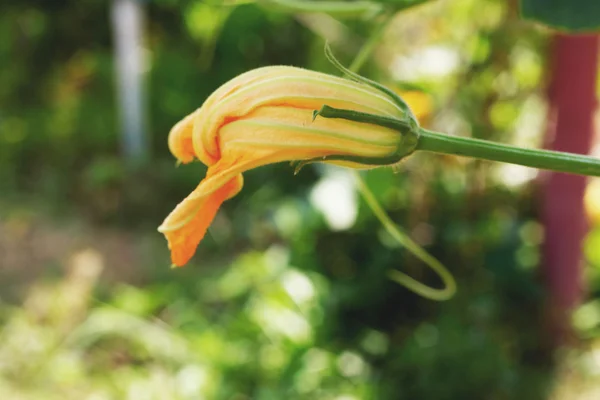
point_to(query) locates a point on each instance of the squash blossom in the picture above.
(265, 116)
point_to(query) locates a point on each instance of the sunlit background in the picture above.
(287, 297)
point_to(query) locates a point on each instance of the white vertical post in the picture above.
(127, 23)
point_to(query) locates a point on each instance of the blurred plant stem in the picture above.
(354, 9)
(369, 46)
(209, 47)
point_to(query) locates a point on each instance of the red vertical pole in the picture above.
(572, 98)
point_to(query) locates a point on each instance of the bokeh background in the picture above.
(287, 297)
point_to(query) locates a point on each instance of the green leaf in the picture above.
(565, 15)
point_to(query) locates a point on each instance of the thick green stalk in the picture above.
(544, 159)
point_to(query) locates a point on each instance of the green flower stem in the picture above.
(544, 159)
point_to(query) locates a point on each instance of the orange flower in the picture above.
(265, 116)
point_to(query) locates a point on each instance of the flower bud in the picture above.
(265, 116)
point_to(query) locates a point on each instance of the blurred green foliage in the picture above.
(572, 16)
(276, 304)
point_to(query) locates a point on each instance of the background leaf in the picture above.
(570, 16)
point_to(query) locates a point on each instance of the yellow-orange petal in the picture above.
(180, 139)
(186, 226)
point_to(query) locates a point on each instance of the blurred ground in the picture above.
(34, 247)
